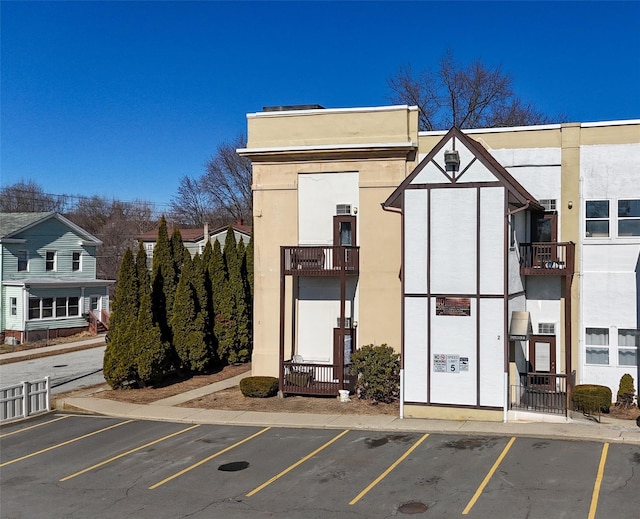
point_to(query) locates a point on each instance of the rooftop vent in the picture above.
(286, 108)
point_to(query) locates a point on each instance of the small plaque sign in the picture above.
(456, 306)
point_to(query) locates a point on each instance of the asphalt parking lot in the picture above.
(75, 466)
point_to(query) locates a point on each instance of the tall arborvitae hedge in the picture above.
(188, 322)
(163, 282)
(243, 305)
(223, 304)
(119, 365)
(153, 355)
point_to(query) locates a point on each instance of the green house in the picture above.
(48, 284)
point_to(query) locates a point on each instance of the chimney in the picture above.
(239, 221)
(206, 233)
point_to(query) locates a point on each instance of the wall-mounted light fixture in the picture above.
(570, 204)
(452, 160)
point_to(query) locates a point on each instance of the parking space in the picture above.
(80, 466)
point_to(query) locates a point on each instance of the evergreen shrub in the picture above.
(378, 371)
(259, 387)
(626, 391)
(591, 398)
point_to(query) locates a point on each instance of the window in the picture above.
(23, 261)
(73, 306)
(94, 303)
(50, 260)
(597, 345)
(628, 217)
(597, 222)
(549, 204)
(75, 261)
(34, 308)
(13, 303)
(628, 344)
(546, 329)
(149, 246)
(47, 307)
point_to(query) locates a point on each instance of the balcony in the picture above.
(320, 260)
(547, 259)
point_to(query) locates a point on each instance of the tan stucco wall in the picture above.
(273, 138)
(452, 413)
(332, 127)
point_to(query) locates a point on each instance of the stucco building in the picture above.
(507, 265)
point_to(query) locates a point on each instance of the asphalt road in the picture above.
(62, 465)
(67, 371)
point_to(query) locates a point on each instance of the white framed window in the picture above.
(549, 204)
(61, 307)
(149, 247)
(628, 217)
(546, 328)
(94, 303)
(628, 345)
(50, 260)
(597, 219)
(13, 304)
(76, 258)
(23, 261)
(597, 345)
(48, 307)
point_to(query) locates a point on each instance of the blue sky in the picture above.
(121, 99)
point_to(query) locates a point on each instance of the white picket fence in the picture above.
(24, 399)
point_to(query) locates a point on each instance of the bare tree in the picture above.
(191, 205)
(29, 197)
(227, 180)
(221, 194)
(117, 224)
(475, 96)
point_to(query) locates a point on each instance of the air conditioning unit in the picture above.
(11, 341)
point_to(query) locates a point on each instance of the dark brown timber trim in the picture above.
(478, 371)
(428, 295)
(452, 185)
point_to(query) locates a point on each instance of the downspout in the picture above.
(399, 211)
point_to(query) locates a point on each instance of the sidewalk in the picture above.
(17, 356)
(576, 428)
(610, 430)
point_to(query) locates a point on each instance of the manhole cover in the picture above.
(415, 507)
(60, 365)
(234, 466)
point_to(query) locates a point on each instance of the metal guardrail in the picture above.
(25, 399)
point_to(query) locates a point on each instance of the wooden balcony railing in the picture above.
(547, 259)
(320, 260)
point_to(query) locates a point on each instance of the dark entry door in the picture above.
(342, 349)
(545, 236)
(344, 235)
(542, 357)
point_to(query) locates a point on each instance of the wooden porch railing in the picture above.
(547, 258)
(97, 325)
(315, 378)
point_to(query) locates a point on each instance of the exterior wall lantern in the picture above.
(452, 160)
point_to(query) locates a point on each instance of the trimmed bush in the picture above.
(259, 387)
(626, 391)
(378, 370)
(591, 398)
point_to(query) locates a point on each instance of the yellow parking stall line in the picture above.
(122, 455)
(386, 472)
(296, 464)
(63, 443)
(596, 486)
(486, 479)
(33, 426)
(202, 462)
